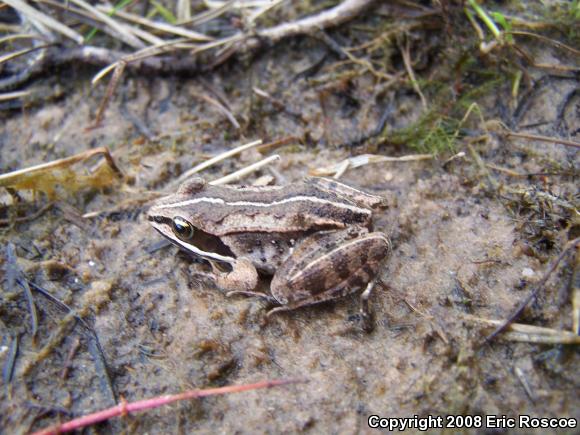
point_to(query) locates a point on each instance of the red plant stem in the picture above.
(125, 408)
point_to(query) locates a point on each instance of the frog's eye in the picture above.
(182, 228)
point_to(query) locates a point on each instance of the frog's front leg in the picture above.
(243, 276)
(241, 280)
(329, 265)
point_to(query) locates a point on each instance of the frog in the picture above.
(313, 237)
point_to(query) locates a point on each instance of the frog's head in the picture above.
(180, 219)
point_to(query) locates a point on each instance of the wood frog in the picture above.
(314, 237)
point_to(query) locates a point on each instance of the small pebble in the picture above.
(528, 273)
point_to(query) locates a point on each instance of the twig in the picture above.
(168, 46)
(125, 408)
(539, 286)
(144, 60)
(345, 11)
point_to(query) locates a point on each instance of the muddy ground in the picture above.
(468, 240)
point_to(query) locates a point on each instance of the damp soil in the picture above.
(461, 249)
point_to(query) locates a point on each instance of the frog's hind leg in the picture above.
(356, 195)
(365, 312)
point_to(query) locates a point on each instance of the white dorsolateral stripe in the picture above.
(265, 204)
(205, 254)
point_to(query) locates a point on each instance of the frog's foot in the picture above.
(252, 294)
(368, 323)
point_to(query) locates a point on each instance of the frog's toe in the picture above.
(278, 310)
(251, 294)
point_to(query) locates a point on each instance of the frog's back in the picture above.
(298, 207)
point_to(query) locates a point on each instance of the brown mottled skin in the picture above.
(313, 236)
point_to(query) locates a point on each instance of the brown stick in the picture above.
(345, 11)
(125, 408)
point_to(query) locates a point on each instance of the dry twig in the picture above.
(125, 408)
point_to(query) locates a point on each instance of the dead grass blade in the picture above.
(16, 36)
(566, 142)
(8, 367)
(264, 9)
(183, 10)
(237, 175)
(49, 22)
(338, 169)
(111, 87)
(13, 55)
(161, 27)
(47, 176)
(90, 19)
(216, 159)
(223, 109)
(546, 39)
(405, 52)
(124, 34)
(209, 15)
(7, 96)
(529, 333)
